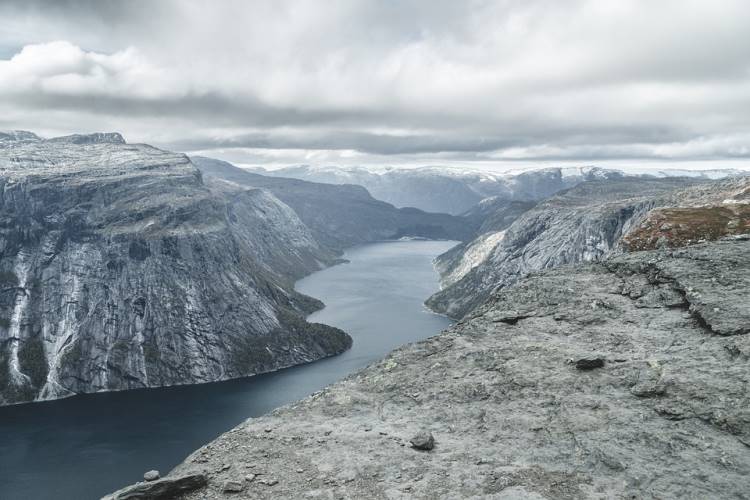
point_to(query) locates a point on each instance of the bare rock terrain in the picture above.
(626, 378)
(587, 223)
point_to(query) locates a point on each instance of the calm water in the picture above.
(84, 447)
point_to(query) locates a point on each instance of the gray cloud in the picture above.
(360, 81)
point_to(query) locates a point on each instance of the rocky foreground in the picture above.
(621, 379)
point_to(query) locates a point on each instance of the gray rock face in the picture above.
(160, 489)
(583, 224)
(666, 416)
(121, 268)
(233, 486)
(340, 216)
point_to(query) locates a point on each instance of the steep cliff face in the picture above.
(582, 224)
(122, 269)
(491, 217)
(343, 215)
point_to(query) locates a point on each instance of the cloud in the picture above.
(61, 69)
(476, 80)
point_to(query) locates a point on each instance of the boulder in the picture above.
(168, 487)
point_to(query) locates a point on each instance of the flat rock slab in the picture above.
(161, 489)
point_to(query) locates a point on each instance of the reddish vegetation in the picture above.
(678, 227)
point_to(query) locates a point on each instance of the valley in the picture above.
(191, 294)
(113, 436)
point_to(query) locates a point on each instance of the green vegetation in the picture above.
(676, 227)
(332, 340)
(4, 323)
(250, 355)
(8, 279)
(151, 353)
(72, 354)
(4, 370)
(33, 361)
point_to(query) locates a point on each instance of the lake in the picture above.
(86, 446)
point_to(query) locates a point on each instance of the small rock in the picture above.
(423, 440)
(300, 471)
(271, 482)
(151, 475)
(250, 478)
(268, 429)
(589, 363)
(233, 486)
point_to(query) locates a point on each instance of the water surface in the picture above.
(83, 447)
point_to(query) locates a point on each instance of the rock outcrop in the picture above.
(160, 489)
(583, 224)
(620, 379)
(121, 268)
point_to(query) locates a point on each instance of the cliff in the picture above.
(583, 224)
(121, 268)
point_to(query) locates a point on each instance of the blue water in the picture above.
(83, 447)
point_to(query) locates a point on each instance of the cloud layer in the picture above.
(387, 81)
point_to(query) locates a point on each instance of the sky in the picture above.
(389, 82)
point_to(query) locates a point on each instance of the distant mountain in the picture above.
(456, 190)
(447, 190)
(343, 215)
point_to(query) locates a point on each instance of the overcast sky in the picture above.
(388, 82)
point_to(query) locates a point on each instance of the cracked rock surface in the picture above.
(667, 415)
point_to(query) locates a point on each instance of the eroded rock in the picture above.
(423, 440)
(151, 475)
(161, 489)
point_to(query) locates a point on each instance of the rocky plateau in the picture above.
(625, 378)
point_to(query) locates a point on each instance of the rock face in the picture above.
(160, 489)
(121, 268)
(583, 224)
(492, 216)
(340, 216)
(663, 414)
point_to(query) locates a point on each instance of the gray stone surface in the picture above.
(151, 475)
(160, 489)
(665, 417)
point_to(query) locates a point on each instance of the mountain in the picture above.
(343, 215)
(581, 224)
(491, 216)
(121, 268)
(616, 379)
(448, 190)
